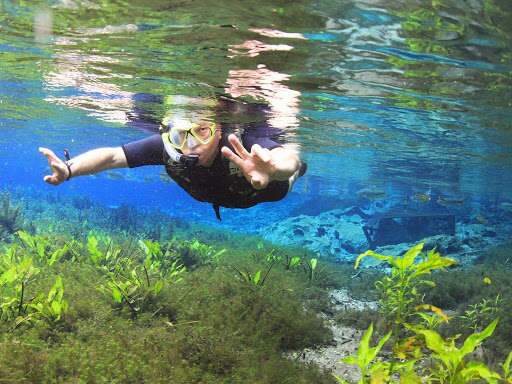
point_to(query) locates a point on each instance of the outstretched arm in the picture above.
(87, 163)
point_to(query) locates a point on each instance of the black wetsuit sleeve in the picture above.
(263, 134)
(265, 142)
(148, 151)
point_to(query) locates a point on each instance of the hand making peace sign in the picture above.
(257, 166)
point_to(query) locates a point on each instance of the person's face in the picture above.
(206, 152)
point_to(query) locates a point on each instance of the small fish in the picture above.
(421, 197)
(371, 194)
(487, 280)
(447, 201)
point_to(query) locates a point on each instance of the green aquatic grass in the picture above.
(208, 326)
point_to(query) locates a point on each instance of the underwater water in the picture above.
(401, 109)
(396, 107)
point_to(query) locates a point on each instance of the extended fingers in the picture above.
(231, 156)
(56, 165)
(262, 153)
(50, 155)
(238, 147)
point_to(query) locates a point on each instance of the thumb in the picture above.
(258, 181)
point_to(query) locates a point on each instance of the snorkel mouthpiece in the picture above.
(189, 160)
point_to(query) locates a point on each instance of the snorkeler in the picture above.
(204, 157)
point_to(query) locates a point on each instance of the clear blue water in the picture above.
(396, 106)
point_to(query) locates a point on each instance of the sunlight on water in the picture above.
(405, 99)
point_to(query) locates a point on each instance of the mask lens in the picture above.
(177, 137)
(202, 132)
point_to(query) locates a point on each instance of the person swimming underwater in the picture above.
(214, 162)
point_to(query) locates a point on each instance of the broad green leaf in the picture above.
(256, 277)
(313, 263)
(26, 238)
(116, 294)
(9, 276)
(410, 378)
(379, 376)
(57, 255)
(294, 261)
(56, 309)
(56, 291)
(410, 255)
(476, 338)
(434, 341)
(158, 286)
(475, 370)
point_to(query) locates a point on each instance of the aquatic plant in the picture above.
(207, 328)
(11, 218)
(16, 272)
(310, 267)
(291, 262)
(507, 372)
(432, 320)
(104, 254)
(49, 309)
(481, 313)
(190, 254)
(463, 289)
(256, 278)
(252, 278)
(137, 285)
(451, 366)
(447, 363)
(365, 357)
(400, 293)
(40, 247)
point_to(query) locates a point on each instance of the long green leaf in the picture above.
(374, 255)
(411, 254)
(476, 338)
(364, 347)
(506, 365)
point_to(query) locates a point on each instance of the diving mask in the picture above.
(183, 131)
(177, 132)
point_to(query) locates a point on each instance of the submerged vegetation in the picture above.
(105, 312)
(109, 306)
(419, 352)
(11, 218)
(85, 300)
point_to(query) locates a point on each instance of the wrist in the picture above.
(68, 166)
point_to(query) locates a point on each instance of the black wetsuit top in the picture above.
(221, 184)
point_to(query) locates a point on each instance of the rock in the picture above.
(337, 233)
(342, 301)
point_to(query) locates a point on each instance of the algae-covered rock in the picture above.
(338, 233)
